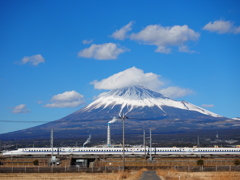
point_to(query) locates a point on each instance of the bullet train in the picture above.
(128, 151)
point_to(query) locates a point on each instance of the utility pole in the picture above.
(144, 143)
(198, 142)
(123, 117)
(150, 145)
(52, 144)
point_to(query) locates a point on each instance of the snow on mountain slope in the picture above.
(140, 96)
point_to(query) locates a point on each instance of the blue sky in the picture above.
(58, 56)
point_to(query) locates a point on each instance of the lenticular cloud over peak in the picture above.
(129, 77)
(134, 77)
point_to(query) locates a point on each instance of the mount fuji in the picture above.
(143, 107)
(132, 99)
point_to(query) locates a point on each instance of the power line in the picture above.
(56, 121)
(14, 121)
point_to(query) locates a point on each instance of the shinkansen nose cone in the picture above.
(9, 153)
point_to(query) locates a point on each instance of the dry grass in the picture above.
(128, 175)
(175, 175)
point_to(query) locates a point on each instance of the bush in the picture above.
(200, 162)
(236, 162)
(36, 162)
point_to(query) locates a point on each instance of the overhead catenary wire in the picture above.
(55, 121)
(15, 121)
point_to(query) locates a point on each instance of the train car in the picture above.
(119, 151)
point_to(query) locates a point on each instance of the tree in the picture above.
(200, 162)
(236, 162)
(36, 162)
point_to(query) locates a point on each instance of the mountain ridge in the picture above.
(145, 109)
(142, 97)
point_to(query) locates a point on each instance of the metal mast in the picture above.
(108, 136)
(198, 142)
(144, 143)
(150, 144)
(52, 143)
(123, 117)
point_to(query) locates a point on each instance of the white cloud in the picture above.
(105, 51)
(176, 92)
(121, 34)
(22, 108)
(66, 99)
(185, 49)
(87, 41)
(33, 60)
(129, 77)
(222, 27)
(165, 37)
(134, 76)
(207, 105)
(162, 49)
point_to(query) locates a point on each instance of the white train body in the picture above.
(119, 151)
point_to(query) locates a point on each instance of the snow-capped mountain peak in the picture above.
(140, 96)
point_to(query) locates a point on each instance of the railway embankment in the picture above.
(115, 163)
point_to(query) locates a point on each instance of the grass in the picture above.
(175, 175)
(128, 175)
